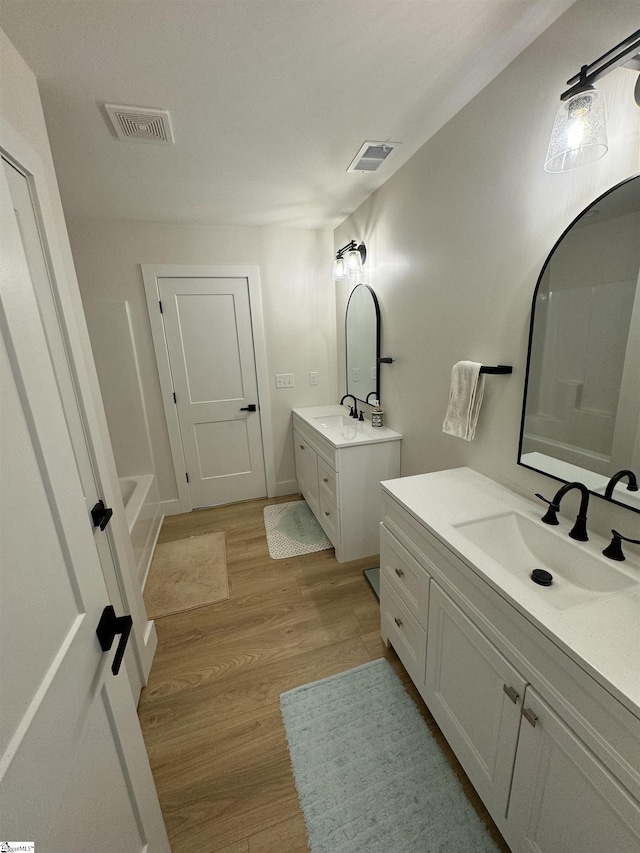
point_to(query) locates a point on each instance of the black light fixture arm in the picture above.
(352, 246)
(609, 61)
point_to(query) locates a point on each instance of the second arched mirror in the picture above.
(362, 338)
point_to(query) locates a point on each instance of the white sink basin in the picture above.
(336, 421)
(520, 545)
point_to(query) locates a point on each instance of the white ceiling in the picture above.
(270, 99)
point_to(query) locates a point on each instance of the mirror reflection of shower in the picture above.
(582, 412)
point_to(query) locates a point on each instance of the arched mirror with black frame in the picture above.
(362, 344)
(581, 409)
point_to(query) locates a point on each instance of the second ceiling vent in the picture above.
(371, 156)
(140, 124)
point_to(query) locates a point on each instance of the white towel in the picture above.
(465, 398)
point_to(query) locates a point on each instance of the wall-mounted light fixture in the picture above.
(349, 260)
(579, 134)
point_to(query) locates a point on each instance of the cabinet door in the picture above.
(563, 800)
(474, 694)
(307, 472)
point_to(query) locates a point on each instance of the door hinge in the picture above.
(160, 304)
(175, 400)
(186, 475)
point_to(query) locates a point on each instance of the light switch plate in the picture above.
(313, 377)
(285, 380)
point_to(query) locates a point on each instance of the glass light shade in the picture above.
(579, 134)
(340, 270)
(354, 261)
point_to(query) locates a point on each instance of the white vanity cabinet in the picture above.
(553, 754)
(339, 465)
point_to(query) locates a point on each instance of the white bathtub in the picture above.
(142, 511)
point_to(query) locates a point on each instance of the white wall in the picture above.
(457, 237)
(297, 299)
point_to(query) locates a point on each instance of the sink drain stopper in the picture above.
(542, 577)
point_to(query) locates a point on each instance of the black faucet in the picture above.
(632, 487)
(579, 529)
(353, 413)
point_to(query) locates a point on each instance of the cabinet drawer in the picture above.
(329, 519)
(328, 481)
(407, 577)
(402, 630)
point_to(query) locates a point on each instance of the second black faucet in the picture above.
(579, 529)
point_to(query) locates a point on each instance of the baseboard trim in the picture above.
(286, 487)
(171, 507)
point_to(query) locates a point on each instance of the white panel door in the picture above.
(209, 338)
(39, 274)
(74, 774)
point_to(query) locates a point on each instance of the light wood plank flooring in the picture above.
(210, 713)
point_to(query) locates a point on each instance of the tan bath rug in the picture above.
(185, 574)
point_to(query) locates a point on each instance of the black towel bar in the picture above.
(502, 369)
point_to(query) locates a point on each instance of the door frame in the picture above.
(150, 275)
(121, 573)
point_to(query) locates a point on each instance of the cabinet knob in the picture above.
(325, 479)
(397, 621)
(529, 716)
(399, 572)
(302, 447)
(511, 692)
(327, 513)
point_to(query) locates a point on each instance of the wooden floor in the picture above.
(210, 713)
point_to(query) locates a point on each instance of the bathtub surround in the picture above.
(114, 344)
(144, 518)
(370, 776)
(118, 368)
(187, 574)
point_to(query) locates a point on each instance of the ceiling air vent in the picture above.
(371, 156)
(140, 124)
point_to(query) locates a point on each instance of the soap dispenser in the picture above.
(377, 415)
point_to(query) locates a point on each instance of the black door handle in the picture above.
(101, 515)
(250, 408)
(110, 625)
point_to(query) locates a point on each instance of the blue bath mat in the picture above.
(370, 777)
(292, 529)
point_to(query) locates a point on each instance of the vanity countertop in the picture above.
(334, 424)
(601, 633)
